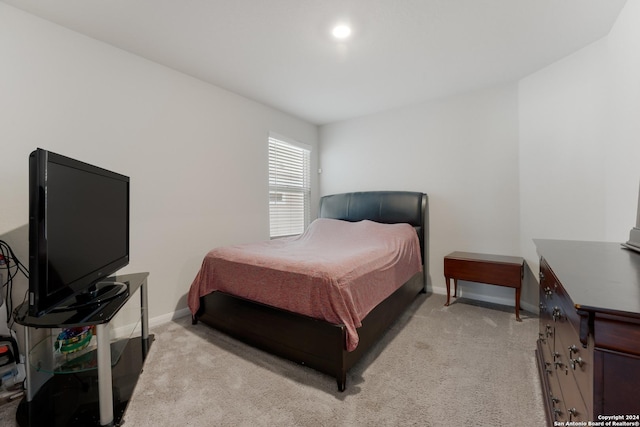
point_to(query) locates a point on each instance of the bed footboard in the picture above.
(301, 339)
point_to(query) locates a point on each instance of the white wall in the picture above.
(580, 141)
(554, 156)
(196, 154)
(622, 164)
(461, 151)
(562, 124)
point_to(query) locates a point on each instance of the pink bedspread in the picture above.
(337, 271)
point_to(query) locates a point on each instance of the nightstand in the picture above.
(497, 270)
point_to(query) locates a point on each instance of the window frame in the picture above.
(292, 180)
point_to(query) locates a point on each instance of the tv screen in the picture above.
(78, 228)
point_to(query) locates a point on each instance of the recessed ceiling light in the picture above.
(341, 31)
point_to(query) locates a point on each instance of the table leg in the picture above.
(518, 305)
(455, 289)
(105, 387)
(144, 310)
(447, 279)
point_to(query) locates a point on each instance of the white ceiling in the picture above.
(281, 53)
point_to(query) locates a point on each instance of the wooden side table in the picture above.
(483, 268)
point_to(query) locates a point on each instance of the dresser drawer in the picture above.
(617, 333)
(556, 300)
(577, 361)
(554, 401)
(565, 400)
(548, 301)
(546, 332)
(618, 376)
(572, 406)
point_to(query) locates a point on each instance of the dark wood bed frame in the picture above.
(316, 343)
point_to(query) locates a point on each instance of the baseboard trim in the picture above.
(490, 299)
(153, 322)
(168, 317)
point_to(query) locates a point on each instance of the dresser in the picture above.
(588, 349)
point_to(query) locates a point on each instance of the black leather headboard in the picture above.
(388, 207)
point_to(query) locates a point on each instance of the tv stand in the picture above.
(101, 377)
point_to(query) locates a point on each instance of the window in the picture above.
(289, 186)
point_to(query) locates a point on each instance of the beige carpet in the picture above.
(463, 365)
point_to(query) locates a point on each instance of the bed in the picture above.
(327, 346)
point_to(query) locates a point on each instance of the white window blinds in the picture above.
(289, 187)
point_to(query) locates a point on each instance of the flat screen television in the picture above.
(78, 232)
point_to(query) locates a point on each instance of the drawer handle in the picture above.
(556, 413)
(549, 330)
(575, 362)
(548, 292)
(542, 338)
(574, 349)
(557, 313)
(572, 413)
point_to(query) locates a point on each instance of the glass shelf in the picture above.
(44, 357)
